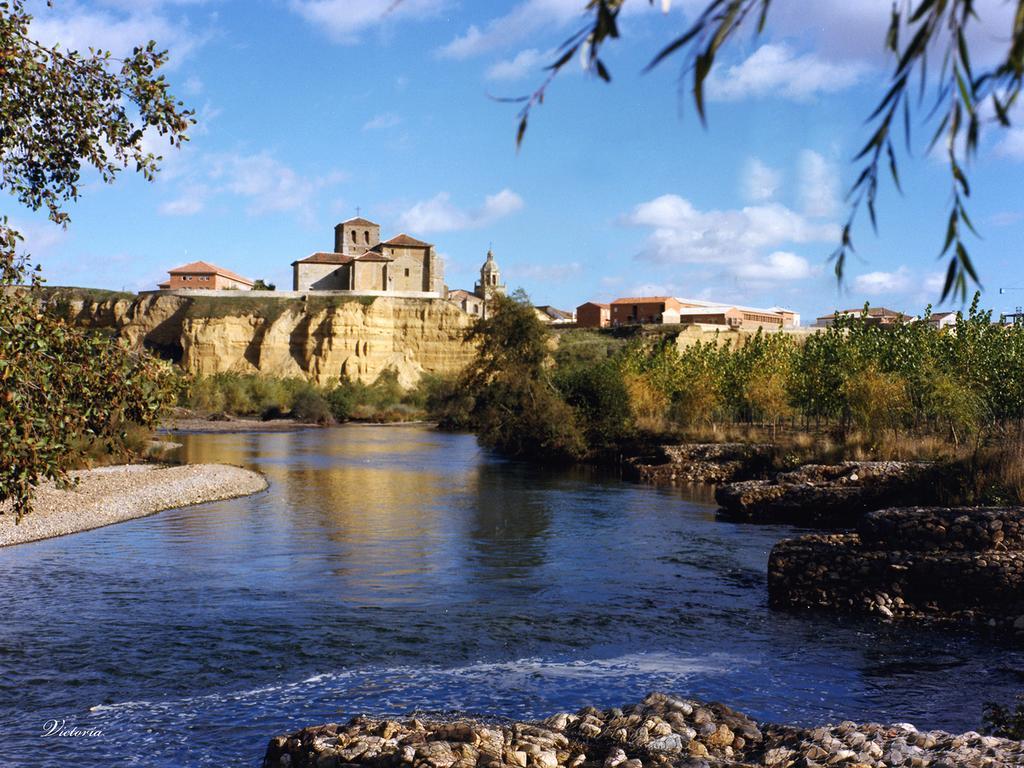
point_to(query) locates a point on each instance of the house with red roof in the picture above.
(202, 274)
(361, 261)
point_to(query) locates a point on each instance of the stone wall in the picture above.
(960, 564)
(829, 495)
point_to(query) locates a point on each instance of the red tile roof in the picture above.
(643, 300)
(594, 304)
(321, 257)
(404, 239)
(360, 221)
(205, 268)
(372, 256)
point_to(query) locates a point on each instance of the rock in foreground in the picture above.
(829, 495)
(959, 564)
(660, 731)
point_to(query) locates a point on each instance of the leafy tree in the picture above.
(260, 285)
(516, 407)
(920, 33)
(62, 112)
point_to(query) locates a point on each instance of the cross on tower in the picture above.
(358, 211)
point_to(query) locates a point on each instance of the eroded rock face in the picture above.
(955, 565)
(660, 731)
(700, 463)
(321, 339)
(829, 495)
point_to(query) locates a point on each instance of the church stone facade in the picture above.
(360, 261)
(486, 288)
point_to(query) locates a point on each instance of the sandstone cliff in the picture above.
(320, 338)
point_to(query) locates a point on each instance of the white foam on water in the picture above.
(663, 669)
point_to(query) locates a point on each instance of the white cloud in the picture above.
(875, 283)
(777, 266)
(760, 182)
(776, 70)
(191, 201)
(265, 183)
(684, 235)
(382, 121)
(77, 27)
(1012, 144)
(439, 214)
(819, 185)
(526, 19)
(346, 20)
(524, 63)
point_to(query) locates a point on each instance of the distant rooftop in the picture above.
(206, 268)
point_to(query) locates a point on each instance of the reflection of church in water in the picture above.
(487, 287)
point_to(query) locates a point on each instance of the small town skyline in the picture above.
(747, 210)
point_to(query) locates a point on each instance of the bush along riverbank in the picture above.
(660, 731)
(749, 406)
(223, 397)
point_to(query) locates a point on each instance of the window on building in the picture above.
(366, 237)
(406, 272)
(353, 236)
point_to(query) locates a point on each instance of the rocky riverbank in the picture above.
(109, 495)
(660, 731)
(830, 495)
(700, 463)
(955, 565)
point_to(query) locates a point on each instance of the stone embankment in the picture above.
(700, 463)
(829, 495)
(660, 731)
(952, 565)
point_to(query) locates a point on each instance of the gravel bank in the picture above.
(195, 424)
(113, 494)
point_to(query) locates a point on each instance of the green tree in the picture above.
(516, 407)
(62, 112)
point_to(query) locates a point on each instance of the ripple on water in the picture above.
(390, 570)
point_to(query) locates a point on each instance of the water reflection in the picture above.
(394, 568)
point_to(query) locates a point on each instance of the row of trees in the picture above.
(856, 376)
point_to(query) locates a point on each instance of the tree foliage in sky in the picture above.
(63, 113)
(932, 75)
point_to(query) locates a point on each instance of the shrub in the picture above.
(310, 406)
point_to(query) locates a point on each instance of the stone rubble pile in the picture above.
(700, 463)
(949, 564)
(829, 495)
(660, 731)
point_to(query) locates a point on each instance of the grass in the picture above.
(96, 295)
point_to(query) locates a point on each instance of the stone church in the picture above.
(487, 288)
(361, 262)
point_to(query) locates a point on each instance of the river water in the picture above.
(393, 569)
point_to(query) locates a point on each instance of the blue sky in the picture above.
(309, 109)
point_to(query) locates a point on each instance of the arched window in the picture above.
(353, 236)
(366, 237)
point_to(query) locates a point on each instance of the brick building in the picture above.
(593, 314)
(202, 274)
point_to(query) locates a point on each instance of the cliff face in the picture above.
(319, 338)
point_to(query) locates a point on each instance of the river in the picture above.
(392, 569)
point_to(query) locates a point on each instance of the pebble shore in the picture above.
(660, 732)
(109, 495)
